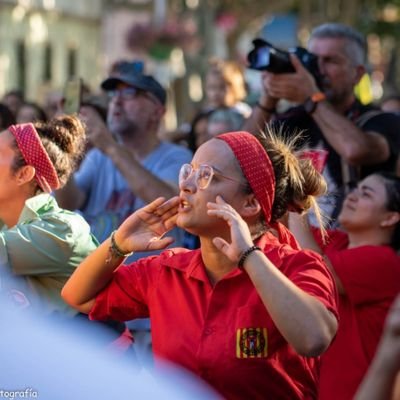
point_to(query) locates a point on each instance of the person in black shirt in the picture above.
(360, 139)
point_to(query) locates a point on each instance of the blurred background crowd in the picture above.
(153, 80)
(46, 42)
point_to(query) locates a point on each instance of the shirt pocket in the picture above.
(254, 335)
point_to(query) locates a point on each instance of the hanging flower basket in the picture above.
(159, 41)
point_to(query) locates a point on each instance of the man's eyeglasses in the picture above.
(203, 175)
(129, 93)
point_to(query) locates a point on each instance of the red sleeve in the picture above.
(367, 273)
(307, 270)
(126, 296)
(334, 239)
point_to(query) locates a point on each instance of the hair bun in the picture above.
(68, 132)
(314, 185)
(298, 183)
(64, 139)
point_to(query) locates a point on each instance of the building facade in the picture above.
(45, 42)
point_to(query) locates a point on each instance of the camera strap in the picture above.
(351, 174)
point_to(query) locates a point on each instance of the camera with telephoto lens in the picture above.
(266, 57)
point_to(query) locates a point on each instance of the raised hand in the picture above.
(240, 233)
(96, 129)
(145, 229)
(296, 86)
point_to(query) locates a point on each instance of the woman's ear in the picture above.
(392, 218)
(25, 174)
(251, 206)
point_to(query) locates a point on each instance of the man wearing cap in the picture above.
(129, 165)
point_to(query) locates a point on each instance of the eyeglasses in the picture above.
(126, 93)
(203, 175)
(130, 93)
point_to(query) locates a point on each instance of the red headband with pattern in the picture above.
(256, 167)
(34, 153)
(259, 172)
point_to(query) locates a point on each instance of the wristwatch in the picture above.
(311, 102)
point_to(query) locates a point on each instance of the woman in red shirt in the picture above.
(248, 312)
(366, 269)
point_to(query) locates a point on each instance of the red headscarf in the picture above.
(35, 154)
(259, 172)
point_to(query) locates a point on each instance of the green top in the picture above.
(43, 250)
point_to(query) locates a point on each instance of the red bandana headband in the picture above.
(35, 154)
(259, 172)
(256, 167)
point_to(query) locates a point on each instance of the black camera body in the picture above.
(266, 57)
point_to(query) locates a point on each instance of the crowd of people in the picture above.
(246, 263)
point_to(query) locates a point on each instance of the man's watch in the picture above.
(311, 102)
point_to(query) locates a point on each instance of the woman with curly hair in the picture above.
(40, 243)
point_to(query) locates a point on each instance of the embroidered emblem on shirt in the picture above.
(251, 343)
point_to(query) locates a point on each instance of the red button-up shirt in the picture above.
(222, 333)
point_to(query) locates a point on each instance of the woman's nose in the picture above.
(353, 194)
(188, 184)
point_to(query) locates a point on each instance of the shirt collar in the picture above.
(191, 263)
(36, 205)
(187, 261)
(268, 240)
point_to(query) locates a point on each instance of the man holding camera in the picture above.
(359, 139)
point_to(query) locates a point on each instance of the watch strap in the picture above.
(311, 102)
